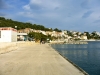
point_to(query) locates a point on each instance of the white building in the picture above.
(83, 37)
(22, 37)
(8, 34)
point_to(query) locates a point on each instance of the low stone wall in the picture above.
(7, 47)
(56, 42)
(25, 43)
(10, 46)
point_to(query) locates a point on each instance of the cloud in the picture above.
(27, 14)
(87, 14)
(85, 4)
(42, 9)
(42, 5)
(26, 7)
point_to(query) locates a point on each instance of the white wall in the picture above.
(14, 36)
(8, 36)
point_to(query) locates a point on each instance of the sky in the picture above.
(73, 15)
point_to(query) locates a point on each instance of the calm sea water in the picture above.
(86, 56)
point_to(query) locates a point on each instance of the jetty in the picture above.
(36, 59)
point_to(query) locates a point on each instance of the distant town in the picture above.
(65, 35)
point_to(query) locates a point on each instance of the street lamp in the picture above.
(16, 33)
(15, 27)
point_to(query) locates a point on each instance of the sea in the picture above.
(86, 56)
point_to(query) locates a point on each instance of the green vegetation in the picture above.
(56, 29)
(20, 25)
(38, 36)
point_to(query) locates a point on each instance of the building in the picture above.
(8, 34)
(83, 37)
(22, 37)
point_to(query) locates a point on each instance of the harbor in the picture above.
(36, 59)
(86, 56)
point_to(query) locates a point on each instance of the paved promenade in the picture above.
(35, 60)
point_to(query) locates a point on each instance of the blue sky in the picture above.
(75, 15)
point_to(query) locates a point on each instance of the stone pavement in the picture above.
(36, 60)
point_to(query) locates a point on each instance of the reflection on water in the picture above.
(87, 56)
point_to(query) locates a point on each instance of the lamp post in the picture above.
(16, 33)
(15, 27)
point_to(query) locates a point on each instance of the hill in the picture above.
(20, 25)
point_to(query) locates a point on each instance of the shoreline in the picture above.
(69, 42)
(42, 59)
(85, 73)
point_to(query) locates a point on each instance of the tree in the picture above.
(69, 33)
(20, 25)
(56, 29)
(88, 35)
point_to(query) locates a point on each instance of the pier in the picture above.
(36, 59)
